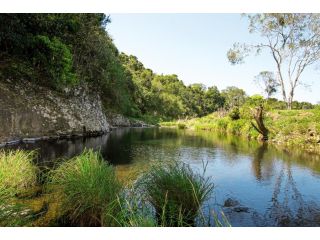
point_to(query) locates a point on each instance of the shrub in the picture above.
(222, 124)
(89, 190)
(176, 193)
(181, 126)
(17, 171)
(55, 60)
(234, 114)
(235, 126)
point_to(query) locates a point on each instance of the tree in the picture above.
(61, 50)
(267, 82)
(293, 42)
(234, 97)
(213, 100)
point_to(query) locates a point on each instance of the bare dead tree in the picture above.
(259, 126)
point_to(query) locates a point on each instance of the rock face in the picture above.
(118, 120)
(29, 112)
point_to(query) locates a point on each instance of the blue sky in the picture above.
(194, 47)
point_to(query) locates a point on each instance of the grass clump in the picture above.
(89, 190)
(175, 192)
(17, 171)
(134, 211)
(18, 174)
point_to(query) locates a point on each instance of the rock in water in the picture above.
(230, 203)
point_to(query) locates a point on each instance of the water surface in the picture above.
(269, 187)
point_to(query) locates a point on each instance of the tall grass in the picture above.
(17, 171)
(89, 189)
(134, 211)
(175, 192)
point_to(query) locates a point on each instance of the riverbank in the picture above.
(287, 128)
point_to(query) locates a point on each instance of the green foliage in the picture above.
(234, 97)
(291, 39)
(286, 127)
(176, 193)
(166, 96)
(54, 59)
(234, 114)
(62, 50)
(267, 81)
(89, 190)
(182, 126)
(236, 127)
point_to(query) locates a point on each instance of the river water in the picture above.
(255, 184)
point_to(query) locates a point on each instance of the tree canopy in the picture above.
(63, 51)
(292, 39)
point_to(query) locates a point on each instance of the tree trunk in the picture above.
(290, 100)
(289, 104)
(260, 127)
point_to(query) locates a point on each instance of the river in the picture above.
(255, 184)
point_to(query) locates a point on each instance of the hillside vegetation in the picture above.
(62, 51)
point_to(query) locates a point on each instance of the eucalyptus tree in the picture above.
(293, 41)
(267, 81)
(234, 97)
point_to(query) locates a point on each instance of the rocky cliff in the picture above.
(29, 112)
(118, 120)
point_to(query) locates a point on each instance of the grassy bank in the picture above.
(288, 128)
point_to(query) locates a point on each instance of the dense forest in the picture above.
(62, 51)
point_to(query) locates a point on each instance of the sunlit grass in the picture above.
(17, 171)
(175, 192)
(89, 189)
(85, 191)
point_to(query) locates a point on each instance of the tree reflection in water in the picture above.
(288, 208)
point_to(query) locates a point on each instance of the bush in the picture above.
(234, 114)
(55, 60)
(89, 190)
(181, 126)
(176, 193)
(236, 126)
